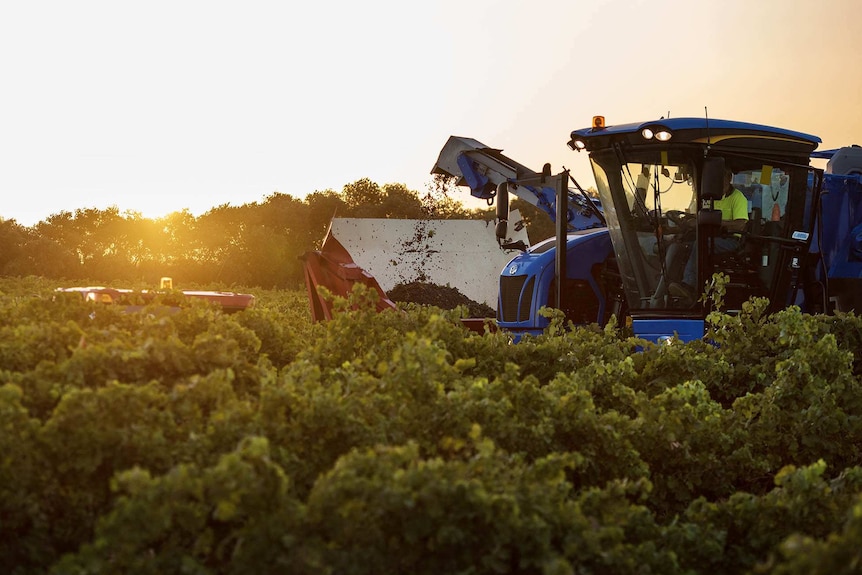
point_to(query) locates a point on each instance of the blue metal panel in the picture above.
(841, 211)
(585, 249)
(661, 329)
(474, 179)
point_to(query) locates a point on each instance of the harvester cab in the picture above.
(685, 198)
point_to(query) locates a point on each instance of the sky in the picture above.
(158, 106)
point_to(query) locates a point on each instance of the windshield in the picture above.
(652, 223)
(662, 233)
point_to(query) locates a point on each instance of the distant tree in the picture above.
(283, 212)
(63, 229)
(294, 228)
(179, 235)
(47, 258)
(363, 198)
(273, 234)
(268, 260)
(400, 202)
(109, 251)
(323, 206)
(13, 238)
(222, 232)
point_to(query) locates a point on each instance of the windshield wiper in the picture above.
(592, 207)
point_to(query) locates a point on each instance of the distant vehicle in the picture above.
(134, 300)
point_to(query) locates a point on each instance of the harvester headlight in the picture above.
(577, 145)
(660, 133)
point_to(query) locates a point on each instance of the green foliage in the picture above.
(480, 511)
(748, 532)
(238, 512)
(22, 485)
(393, 442)
(837, 552)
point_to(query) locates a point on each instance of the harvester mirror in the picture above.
(712, 179)
(502, 210)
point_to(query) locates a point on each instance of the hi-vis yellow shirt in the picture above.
(733, 207)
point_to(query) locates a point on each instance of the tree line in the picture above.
(255, 244)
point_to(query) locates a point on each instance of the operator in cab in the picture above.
(734, 217)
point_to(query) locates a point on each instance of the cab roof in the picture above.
(714, 132)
